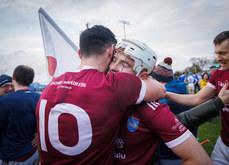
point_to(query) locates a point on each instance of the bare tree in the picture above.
(199, 63)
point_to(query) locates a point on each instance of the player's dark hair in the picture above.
(221, 37)
(95, 40)
(23, 75)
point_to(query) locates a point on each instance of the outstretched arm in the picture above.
(196, 116)
(200, 114)
(192, 100)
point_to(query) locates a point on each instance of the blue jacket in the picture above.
(179, 87)
(176, 86)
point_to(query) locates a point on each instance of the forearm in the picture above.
(183, 99)
(192, 100)
(200, 114)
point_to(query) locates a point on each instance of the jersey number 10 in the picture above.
(83, 123)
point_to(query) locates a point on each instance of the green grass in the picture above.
(210, 131)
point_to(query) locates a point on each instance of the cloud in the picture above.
(33, 58)
(179, 29)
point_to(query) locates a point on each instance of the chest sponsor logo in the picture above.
(132, 124)
(220, 84)
(119, 155)
(72, 83)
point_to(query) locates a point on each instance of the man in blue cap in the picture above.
(6, 85)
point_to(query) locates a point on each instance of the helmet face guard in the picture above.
(144, 57)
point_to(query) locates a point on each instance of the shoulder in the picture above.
(157, 107)
(35, 94)
(148, 107)
(125, 76)
(123, 80)
(150, 113)
(8, 96)
(153, 105)
(219, 73)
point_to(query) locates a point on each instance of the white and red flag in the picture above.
(61, 53)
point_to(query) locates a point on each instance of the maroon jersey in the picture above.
(216, 81)
(141, 129)
(79, 115)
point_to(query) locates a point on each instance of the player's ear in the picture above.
(111, 50)
(79, 54)
(143, 75)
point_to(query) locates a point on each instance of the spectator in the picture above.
(203, 82)
(144, 124)
(183, 77)
(175, 77)
(198, 77)
(190, 81)
(79, 113)
(196, 89)
(6, 85)
(17, 120)
(210, 72)
(214, 85)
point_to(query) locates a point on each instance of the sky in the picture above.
(180, 29)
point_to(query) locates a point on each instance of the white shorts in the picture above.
(191, 86)
(220, 154)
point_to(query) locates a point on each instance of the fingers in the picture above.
(225, 85)
(35, 141)
(224, 93)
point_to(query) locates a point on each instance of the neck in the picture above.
(100, 63)
(19, 87)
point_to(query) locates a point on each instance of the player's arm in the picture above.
(200, 114)
(192, 152)
(192, 100)
(154, 90)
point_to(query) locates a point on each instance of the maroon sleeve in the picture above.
(128, 88)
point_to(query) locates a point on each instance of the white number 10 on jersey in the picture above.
(83, 123)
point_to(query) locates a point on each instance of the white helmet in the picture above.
(144, 57)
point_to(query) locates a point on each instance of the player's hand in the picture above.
(35, 141)
(224, 93)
